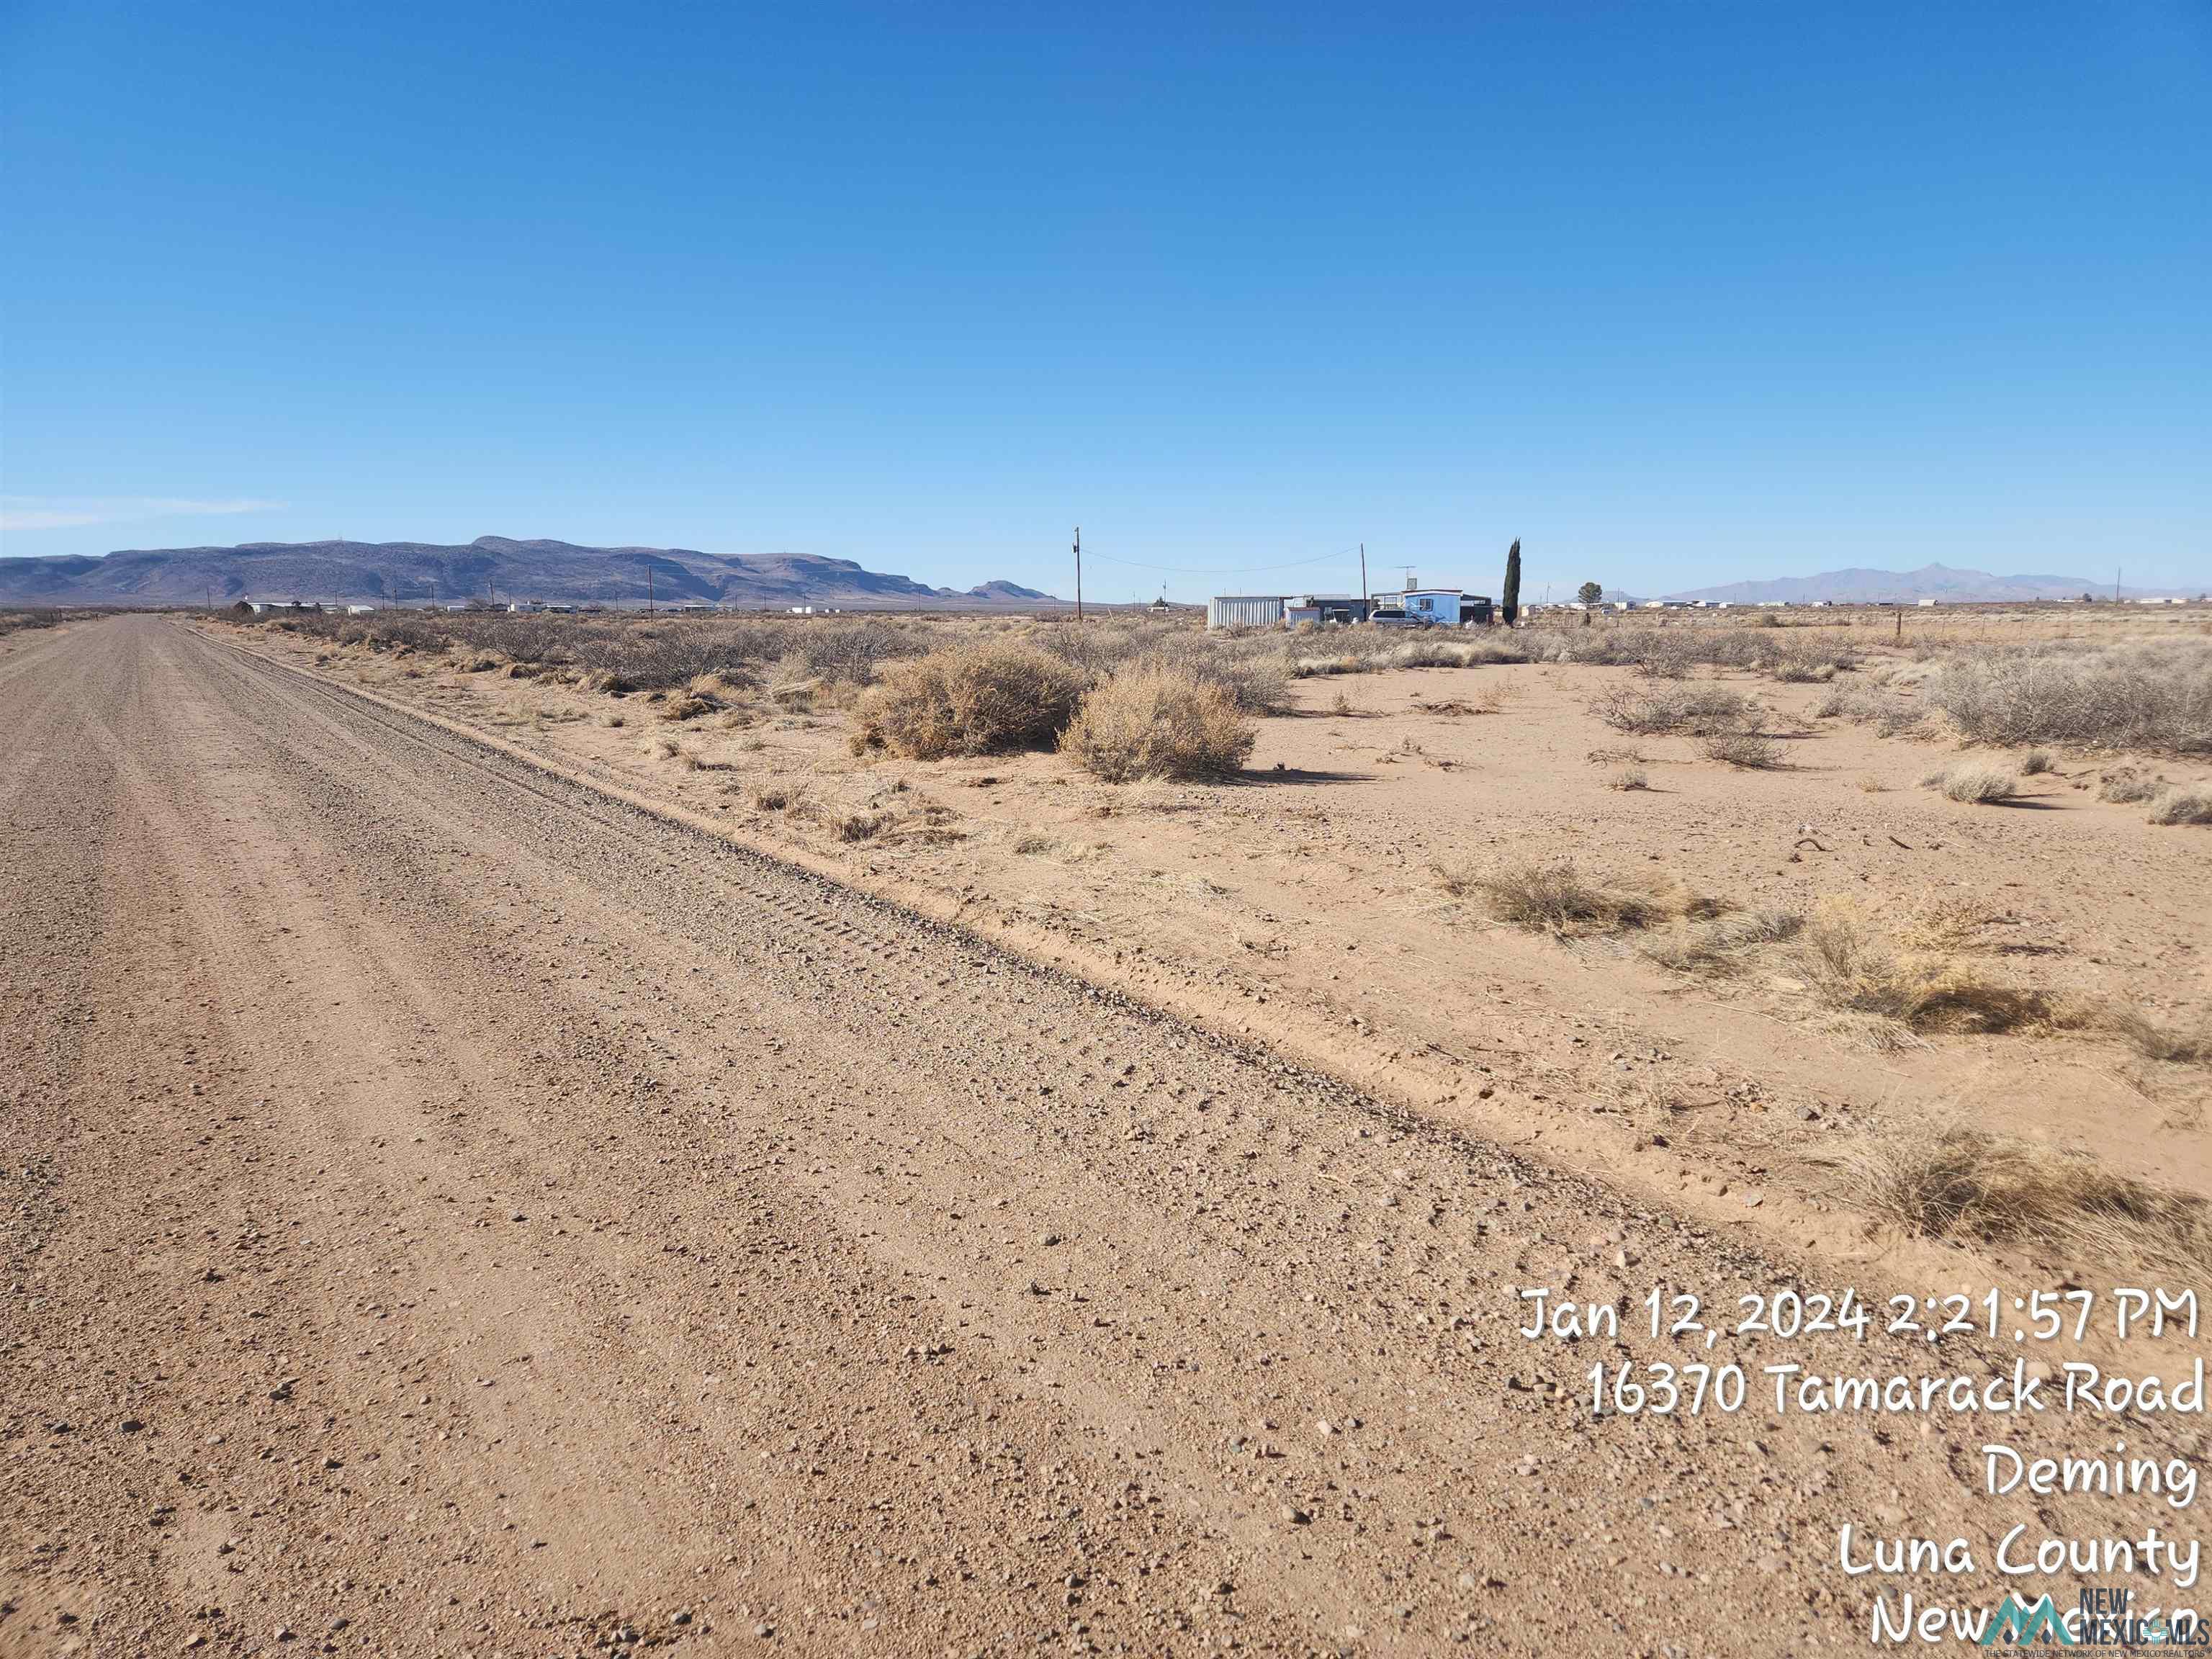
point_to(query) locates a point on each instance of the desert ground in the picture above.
(505, 1159)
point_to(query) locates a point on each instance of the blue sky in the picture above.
(1676, 294)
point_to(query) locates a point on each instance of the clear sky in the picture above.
(1678, 293)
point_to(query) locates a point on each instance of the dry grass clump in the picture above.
(1370, 651)
(1629, 777)
(1854, 970)
(2142, 694)
(1158, 723)
(2183, 806)
(1553, 898)
(1720, 946)
(985, 698)
(1746, 749)
(2183, 1045)
(1669, 651)
(2126, 786)
(1952, 1181)
(1701, 711)
(1949, 925)
(1980, 782)
(1890, 715)
(2036, 762)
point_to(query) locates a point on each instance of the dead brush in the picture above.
(1979, 783)
(1854, 970)
(2183, 806)
(1949, 1180)
(1158, 723)
(1721, 947)
(984, 698)
(1949, 925)
(1553, 898)
(1699, 711)
(1747, 751)
(2176, 1045)
(2125, 785)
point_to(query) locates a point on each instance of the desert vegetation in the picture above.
(2182, 805)
(1555, 899)
(16, 622)
(1021, 737)
(983, 698)
(1953, 1180)
(2150, 694)
(1157, 722)
(1981, 782)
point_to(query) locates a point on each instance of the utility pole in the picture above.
(1365, 598)
(1078, 573)
(2116, 584)
(648, 587)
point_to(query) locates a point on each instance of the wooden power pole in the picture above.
(1078, 573)
(1366, 596)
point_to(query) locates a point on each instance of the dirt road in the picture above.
(450, 1211)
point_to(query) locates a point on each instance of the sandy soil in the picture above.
(1303, 904)
(452, 1209)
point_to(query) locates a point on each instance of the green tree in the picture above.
(1510, 601)
(1590, 594)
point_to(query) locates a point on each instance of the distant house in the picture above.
(1929, 604)
(1326, 608)
(524, 607)
(361, 611)
(1438, 605)
(263, 607)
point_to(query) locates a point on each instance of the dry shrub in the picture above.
(1719, 946)
(982, 698)
(775, 797)
(1746, 749)
(1948, 925)
(857, 826)
(1890, 715)
(1553, 898)
(1629, 777)
(1977, 781)
(1853, 969)
(2179, 806)
(1952, 1181)
(1701, 711)
(2125, 785)
(2177, 1045)
(1158, 723)
(2036, 762)
(2139, 694)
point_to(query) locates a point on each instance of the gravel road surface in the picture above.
(451, 1211)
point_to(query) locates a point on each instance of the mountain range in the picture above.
(490, 568)
(1930, 582)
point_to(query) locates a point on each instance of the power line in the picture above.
(1232, 570)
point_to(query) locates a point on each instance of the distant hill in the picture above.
(558, 573)
(1930, 582)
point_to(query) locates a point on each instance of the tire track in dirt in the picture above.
(609, 1222)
